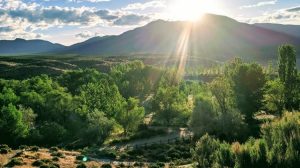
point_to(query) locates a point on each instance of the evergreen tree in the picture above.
(288, 74)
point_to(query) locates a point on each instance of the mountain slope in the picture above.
(216, 37)
(293, 30)
(21, 46)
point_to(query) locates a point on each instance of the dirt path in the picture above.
(171, 137)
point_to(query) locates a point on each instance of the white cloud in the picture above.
(93, 1)
(282, 16)
(259, 4)
(87, 34)
(143, 6)
(18, 18)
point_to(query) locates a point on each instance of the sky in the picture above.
(71, 21)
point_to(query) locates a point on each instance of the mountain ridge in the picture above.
(217, 37)
(20, 46)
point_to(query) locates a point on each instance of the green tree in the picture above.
(52, 133)
(274, 96)
(171, 106)
(134, 79)
(204, 151)
(73, 80)
(12, 126)
(8, 96)
(102, 96)
(247, 82)
(203, 118)
(287, 71)
(222, 92)
(131, 116)
(98, 128)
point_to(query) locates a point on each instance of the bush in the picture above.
(18, 154)
(55, 149)
(81, 165)
(23, 147)
(79, 157)
(56, 159)
(157, 165)
(57, 154)
(37, 163)
(15, 162)
(278, 147)
(34, 148)
(4, 149)
(107, 153)
(106, 166)
(204, 151)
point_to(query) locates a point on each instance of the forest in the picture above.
(246, 116)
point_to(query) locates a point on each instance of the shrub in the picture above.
(56, 159)
(55, 149)
(23, 147)
(79, 157)
(34, 148)
(204, 151)
(81, 165)
(4, 149)
(107, 153)
(106, 166)
(19, 154)
(282, 138)
(57, 154)
(15, 162)
(157, 165)
(38, 163)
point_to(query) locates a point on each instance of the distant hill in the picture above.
(293, 30)
(215, 37)
(21, 46)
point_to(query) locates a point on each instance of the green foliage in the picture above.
(207, 118)
(171, 106)
(102, 96)
(131, 117)
(203, 117)
(283, 140)
(52, 133)
(4, 149)
(222, 92)
(287, 71)
(134, 79)
(204, 150)
(15, 162)
(12, 126)
(98, 128)
(278, 147)
(247, 82)
(73, 80)
(274, 96)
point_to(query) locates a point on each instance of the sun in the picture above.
(191, 10)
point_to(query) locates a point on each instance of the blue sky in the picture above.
(72, 21)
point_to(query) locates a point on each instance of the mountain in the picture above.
(293, 30)
(216, 37)
(21, 47)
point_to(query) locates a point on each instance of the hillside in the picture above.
(207, 38)
(21, 46)
(293, 30)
